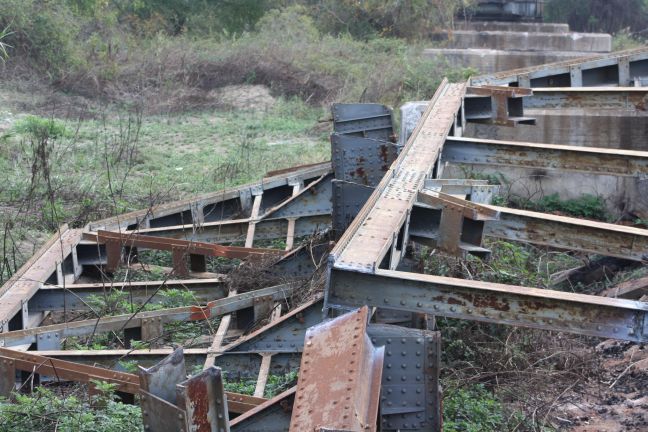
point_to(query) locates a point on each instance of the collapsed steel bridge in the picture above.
(365, 346)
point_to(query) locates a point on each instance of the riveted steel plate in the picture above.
(348, 199)
(366, 120)
(361, 160)
(410, 381)
(339, 378)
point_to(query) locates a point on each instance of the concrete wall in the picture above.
(524, 41)
(620, 129)
(622, 195)
(491, 60)
(623, 129)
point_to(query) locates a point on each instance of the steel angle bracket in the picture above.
(203, 398)
(339, 377)
(158, 394)
(172, 403)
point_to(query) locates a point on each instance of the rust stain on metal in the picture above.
(384, 153)
(339, 378)
(486, 301)
(197, 393)
(205, 401)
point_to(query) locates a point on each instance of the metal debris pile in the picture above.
(365, 346)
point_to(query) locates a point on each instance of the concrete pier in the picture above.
(491, 46)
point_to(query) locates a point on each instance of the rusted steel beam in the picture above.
(181, 248)
(490, 302)
(219, 337)
(76, 296)
(306, 212)
(450, 224)
(235, 230)
(468, 209)
(631, 99)
(632, 289)
(374, 230)
(521, 225)
(264, 371)
(7, 376)
(43, 266)
(625, 163)
(339, 377)
(121, 322)
(625, 65)
(570, 233)
(65, 370)
(500, 105)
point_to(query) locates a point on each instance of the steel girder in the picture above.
(361, 265)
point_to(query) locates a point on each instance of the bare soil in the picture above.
(615, 401)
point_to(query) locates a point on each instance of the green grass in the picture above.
(98, 168)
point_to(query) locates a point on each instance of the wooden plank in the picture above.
(264, 371)
(249, 240)
(632, 289)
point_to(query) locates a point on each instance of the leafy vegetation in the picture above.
(475, 409)
(608, 16)
(586, 206)
(275, 384)
(45, 410)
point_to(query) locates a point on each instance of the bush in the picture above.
(472, 409)
(44, 32)
(39, 128)
(44, 411)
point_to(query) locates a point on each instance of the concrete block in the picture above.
(411, 113)
(528, 41)
(491, 60)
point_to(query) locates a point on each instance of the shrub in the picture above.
(44, 410)
(39, 128)
(44, 32)
(472, 409)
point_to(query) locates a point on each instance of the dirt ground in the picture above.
(615, 401)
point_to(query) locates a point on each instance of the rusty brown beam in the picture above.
(181, 249)
(569, 233)
(465, 150)
(120, 322)
(632, 289)
(65, 370)
(70, 371)
(17, 291)
(339, 378)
